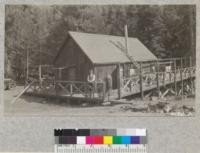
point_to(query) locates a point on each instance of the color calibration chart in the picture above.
(100, 141)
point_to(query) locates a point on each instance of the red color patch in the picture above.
(98, 139)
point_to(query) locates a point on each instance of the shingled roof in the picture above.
(102, 49)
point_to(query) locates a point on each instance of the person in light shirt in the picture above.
(91, 80)
(91, 77)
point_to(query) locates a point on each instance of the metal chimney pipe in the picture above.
(126, 38)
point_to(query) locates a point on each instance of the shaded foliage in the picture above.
(168, 30)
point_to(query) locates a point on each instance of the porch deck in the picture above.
(137, 84)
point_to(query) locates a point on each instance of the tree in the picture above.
(167, 31)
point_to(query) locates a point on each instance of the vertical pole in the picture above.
(71, 89)
(59, 73)
(181, 75)
(191, 80)
(126, 38)
(119, 81)
(186, 66)
(27, 64)
(183, 67)
(141, 82)
(190, 61)
(104, 90)
(157, 78)
(164, 75)
(85, 89)
(170, 73)
(175, 85)
(40, 73)
(94, 83)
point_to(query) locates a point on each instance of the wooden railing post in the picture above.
(185, 66)
(59, 73)
(141, 81)
(85, 89)
(190, 66)
(157, 78)
(181, 75)
(170, 73)
(104, 90)
(191, 79)
(119, 81)
(164, 75)
(71, 89)
(93, 89)
(175, 85)
(40, 75)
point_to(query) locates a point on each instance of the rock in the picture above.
(159, 111)
(177, 114)
(167, 109)
(126, 108)
(189, 114)
(135, 108)
(173, 108)
(161, 105)
(152, 107)
(106, 103)
(154, 98)
(140, 109)
(178, 98)
(85, 104)
(187, 109)
(190, 109)
(44, 102)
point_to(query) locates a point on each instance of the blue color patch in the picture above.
(126, 140)
(135, 140)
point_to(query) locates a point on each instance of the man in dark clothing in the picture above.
(108, 85)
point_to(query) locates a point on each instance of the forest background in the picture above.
(166, 30)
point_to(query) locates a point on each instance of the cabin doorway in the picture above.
(72, 74)
(115, 76)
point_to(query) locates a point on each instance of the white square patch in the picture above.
(81, 140)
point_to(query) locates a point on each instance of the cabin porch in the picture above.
(174, 75)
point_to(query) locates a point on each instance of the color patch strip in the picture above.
(100, 132)
(101, 140)
(100, 136)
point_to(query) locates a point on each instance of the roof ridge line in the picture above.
(101, 34)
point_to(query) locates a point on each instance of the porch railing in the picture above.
(69, 88)
(141, 82)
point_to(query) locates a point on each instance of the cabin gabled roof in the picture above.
(101, 49)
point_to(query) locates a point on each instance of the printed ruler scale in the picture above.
(100, 141)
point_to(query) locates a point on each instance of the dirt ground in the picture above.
(34, 106)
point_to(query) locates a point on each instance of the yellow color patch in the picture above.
(107, 140)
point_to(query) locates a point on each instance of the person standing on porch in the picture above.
(91, 80)
(108, 85)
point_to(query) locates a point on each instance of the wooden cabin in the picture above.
(81, 52)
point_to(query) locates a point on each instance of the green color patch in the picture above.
(117, 140)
